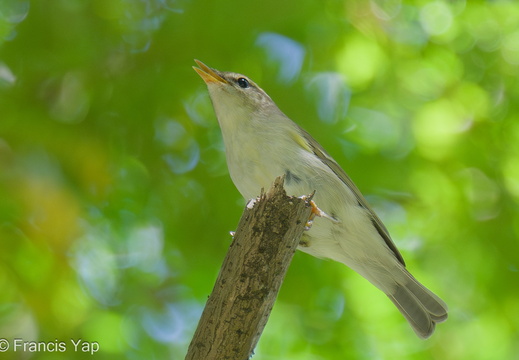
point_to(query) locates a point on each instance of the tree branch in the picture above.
(248, 283)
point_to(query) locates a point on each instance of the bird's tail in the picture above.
(420, 306)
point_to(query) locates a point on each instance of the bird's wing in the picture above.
(318, 150)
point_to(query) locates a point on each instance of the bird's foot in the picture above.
(316, 212)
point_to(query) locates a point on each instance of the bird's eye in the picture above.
(243, 83)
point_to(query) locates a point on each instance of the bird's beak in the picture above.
(207, 74)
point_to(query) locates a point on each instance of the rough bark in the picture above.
(250, 277)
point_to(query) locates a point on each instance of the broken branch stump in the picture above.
(249, 280)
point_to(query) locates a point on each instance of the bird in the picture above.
(262, 143)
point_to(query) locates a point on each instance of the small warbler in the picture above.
(262, 143)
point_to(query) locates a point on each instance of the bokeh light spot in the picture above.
(286, 53)
(360, 60)
(511, 174)
(386, 9)
(7, 77)
(482, 193)
(510, 49)
(436, 17)
(332, 96)
(375, 130)
(437, 127)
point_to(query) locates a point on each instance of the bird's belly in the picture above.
(351, 239)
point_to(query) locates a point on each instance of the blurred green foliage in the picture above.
(115, 203)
